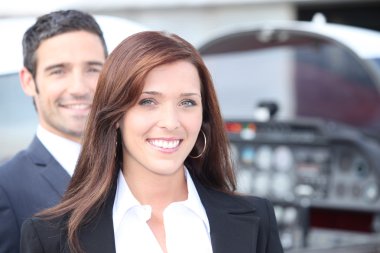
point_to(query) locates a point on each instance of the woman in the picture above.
(155, 173)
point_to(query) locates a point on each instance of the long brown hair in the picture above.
(120, 85)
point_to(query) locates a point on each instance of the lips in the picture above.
(164, 144)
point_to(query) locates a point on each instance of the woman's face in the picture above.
(160, 130)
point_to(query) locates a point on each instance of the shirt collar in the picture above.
(124, 200)
(65, 151)
(193, 201)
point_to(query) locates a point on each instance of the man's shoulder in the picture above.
(21, 162)
(15, 163)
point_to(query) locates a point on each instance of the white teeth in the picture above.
(78, 106)
(164, 144)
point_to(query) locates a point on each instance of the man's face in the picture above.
(67, 70)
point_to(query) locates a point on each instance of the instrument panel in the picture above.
(336, 175)
(312, 172)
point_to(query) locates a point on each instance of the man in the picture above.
(64, 52)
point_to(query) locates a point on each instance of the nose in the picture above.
(169, 117)
(78, 84)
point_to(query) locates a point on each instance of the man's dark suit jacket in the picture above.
(237, 225)
(30, 182)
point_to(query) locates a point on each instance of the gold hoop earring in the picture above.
(204, 147)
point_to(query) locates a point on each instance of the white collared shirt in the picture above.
(65, 151)
(186, 224)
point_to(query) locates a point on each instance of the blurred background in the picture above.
(195, 19)
(298, 83)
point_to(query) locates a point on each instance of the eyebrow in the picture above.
(95, 63)
(48, 68)
(62, 65)
(187, 94)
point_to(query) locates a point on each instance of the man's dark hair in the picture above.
(52, 24)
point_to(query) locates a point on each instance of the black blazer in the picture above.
(237, 224)
(30, 182)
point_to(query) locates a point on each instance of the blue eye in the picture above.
(188, 103)
(146, 101)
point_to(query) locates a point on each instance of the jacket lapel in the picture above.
(51, 170)
(233, 224)
(57, 178)
(98, 235)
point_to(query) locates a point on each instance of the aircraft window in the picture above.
(305, 77)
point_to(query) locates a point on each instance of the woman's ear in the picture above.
(27, 82)
(117, 125)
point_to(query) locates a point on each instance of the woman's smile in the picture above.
(165, 144)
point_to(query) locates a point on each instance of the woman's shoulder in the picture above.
(41, 224)
(244, 199)
(41, 234)
(258, 204)
(256, 201)
(261, 205)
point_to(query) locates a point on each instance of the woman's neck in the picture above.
(158, 191)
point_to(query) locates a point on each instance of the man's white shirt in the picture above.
(186, 224)
(65, 151)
